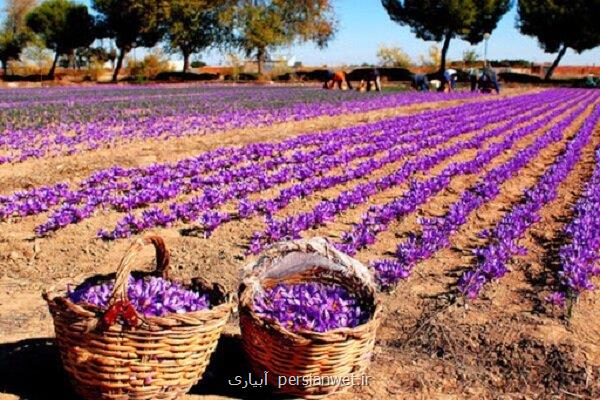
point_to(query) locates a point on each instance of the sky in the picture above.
(364, 25)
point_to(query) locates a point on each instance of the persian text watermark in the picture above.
(253, 381)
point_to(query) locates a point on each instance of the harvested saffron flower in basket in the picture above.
(311, 306)
(149, 296)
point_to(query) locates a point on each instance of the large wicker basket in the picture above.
(158, 358)
(321, 363)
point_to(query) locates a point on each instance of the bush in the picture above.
(396, 74)
(511, 63)
(198, 64)
(519, 78)
(287, 77)
(389, 74)
(149, 67)
(393, 57)
(244, 76)
(185, 76)
(94, 70)
(26, 78)
(279, 70)
(234, 61)
(313, 75)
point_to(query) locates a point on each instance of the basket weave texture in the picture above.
(158, 358)
(317, 359)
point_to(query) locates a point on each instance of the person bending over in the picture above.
(420, 83)
(338, 78)
(450, 76)
(488, 81)
(368, 79)
(375, 79)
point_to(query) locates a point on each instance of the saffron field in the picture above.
(478, 215)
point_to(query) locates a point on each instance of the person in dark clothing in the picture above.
(368, 77)
(488, 81)
(473, 77)
(420, 82)
(375, 78)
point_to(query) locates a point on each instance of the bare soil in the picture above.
(509, 344)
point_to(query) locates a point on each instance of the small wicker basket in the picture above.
(321, 363)
(158, 358)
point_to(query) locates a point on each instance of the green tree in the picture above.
(86, 56)
(446, 19)
(11, 45)
(131, 23)
(561, 24)
(14, 33)
(264, 25)
(63, 26)
(195, 25)
(470, 57)
(151, 65)
(393, 57)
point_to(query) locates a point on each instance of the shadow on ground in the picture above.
(228, 362)
(31, 369)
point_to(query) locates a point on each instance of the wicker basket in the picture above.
(319, 361)
(158, 358)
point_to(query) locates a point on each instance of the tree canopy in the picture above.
(16, 11)
(14, 33)
(63, 26)
(446, 19)
(264, 25)
(561, 24)
(11, 45)
(131, 23)
(195, 25)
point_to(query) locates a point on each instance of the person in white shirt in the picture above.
(450, 79)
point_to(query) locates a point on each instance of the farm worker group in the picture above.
(486, 81)
(369, 79)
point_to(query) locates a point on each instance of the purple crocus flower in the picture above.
(311, 306)
(149, 296)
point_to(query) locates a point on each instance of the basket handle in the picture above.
(124, 269)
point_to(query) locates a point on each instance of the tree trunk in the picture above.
(444, 52)
(560, 55)
(122, 53)
(4, 69)
(53, 68)
(186, 62)
(260, 57)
